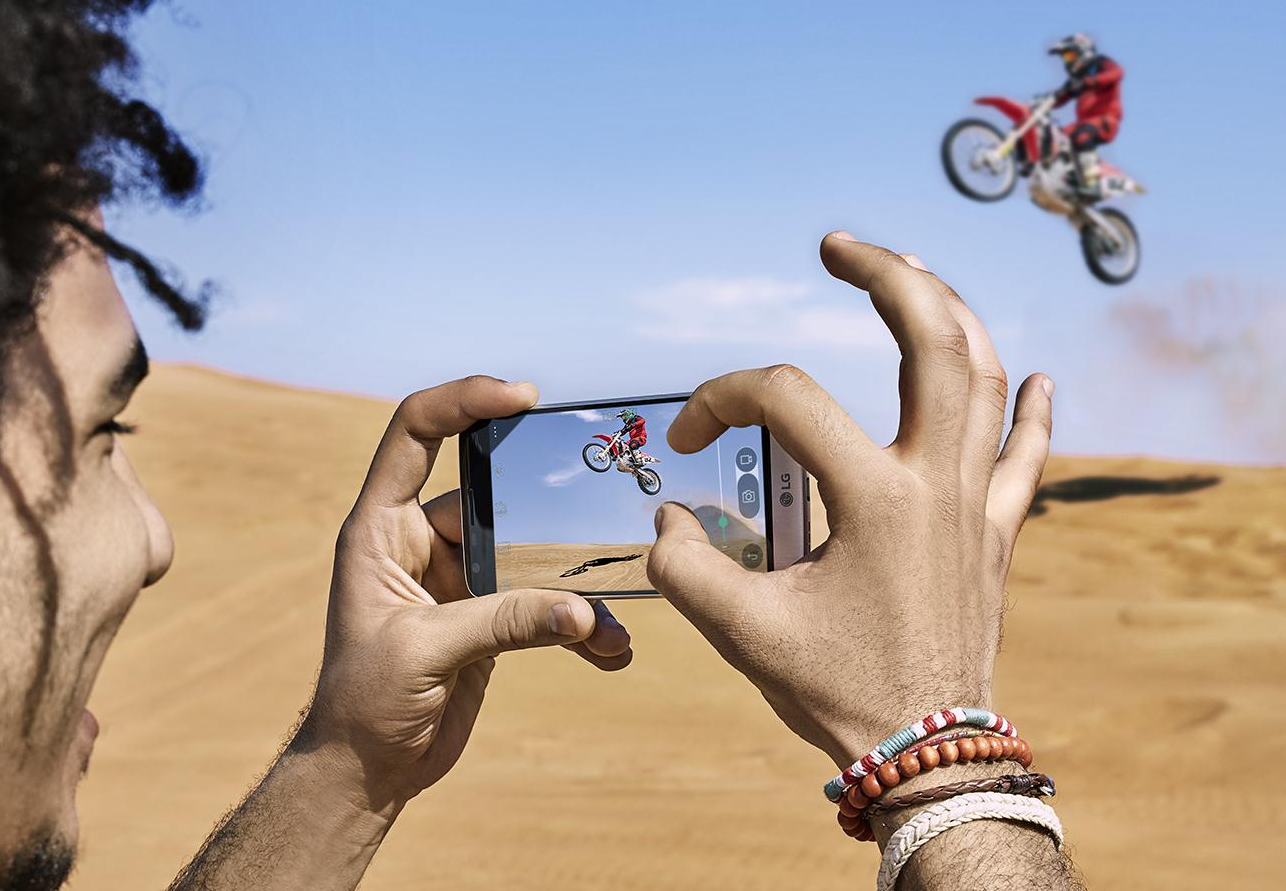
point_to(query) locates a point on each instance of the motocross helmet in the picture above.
(628, 415)
(1077, 51)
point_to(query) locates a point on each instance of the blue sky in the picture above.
(612, 198)
(538, 473)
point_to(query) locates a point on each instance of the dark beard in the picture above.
(43, 864)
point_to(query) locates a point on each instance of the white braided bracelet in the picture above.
(938, 818)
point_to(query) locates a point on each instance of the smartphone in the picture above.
(563, 496)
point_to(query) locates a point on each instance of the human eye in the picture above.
(115, 427)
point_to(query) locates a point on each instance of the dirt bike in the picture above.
(984, 164)
(599, 458)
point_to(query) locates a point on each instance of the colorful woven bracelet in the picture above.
(955, 736)
(1032, 785)
(893, 745)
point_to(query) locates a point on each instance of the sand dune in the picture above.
(1147, 637)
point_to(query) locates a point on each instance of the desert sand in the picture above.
(602, 567)
(1144, 655)
(586, 567)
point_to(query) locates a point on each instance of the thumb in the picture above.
(692, 574)
(465, 631)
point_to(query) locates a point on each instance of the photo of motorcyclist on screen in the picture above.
(1094, 81)
(633, 433)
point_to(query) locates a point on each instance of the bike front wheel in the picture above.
(649, 481)
(596, 457)
(1112, 264)
(969, 158)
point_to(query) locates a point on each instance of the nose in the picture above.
(160, 540)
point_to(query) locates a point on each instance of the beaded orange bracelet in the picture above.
(935, 753)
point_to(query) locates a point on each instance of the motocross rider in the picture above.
(634, 433)
(1094, 81)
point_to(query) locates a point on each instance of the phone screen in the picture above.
(574, 491)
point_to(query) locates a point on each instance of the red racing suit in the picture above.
(1098, 104)
(637, 431)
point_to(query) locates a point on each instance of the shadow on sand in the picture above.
(1101, 488)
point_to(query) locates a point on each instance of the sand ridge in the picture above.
(1147, 626)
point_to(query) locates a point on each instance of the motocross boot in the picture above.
(1088, 182)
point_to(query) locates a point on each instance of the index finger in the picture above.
(808, 423)
(935, 349)
(411, 443)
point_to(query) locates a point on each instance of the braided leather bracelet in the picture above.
(1032, 785)
(945, 815)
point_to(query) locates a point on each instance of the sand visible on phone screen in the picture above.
(590, 567)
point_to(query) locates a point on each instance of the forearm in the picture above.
(983, 854)
(305, 826)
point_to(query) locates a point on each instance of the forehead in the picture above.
(85, 324)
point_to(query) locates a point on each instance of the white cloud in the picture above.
(592, 416)
(727, 293)
(756, 311)
(559, 478)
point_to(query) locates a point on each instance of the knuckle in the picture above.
(896, 493)
(994, 381)
(661, 562)
(948, 339)
(784, 379)
(888, 268)
(410, 409)
(474, 381)
(509, 621)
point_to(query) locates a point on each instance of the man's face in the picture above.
(79, 538)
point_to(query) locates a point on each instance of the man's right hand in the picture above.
(898, 612)
(408, 650)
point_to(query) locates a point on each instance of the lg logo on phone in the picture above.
(787, 498)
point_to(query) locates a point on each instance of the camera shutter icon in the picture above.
(748, 495)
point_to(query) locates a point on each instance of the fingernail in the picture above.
(1049, 387)
(841, 235)
(656, 519)
(519, 384)
(561, 620)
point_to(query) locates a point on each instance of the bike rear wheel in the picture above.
(965, 158)
(596, 457)
(1111, 264)
(649, 481)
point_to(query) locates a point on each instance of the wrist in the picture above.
(351, 786)
(885, 824)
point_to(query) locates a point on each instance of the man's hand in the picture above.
(898, 612)
(408, 650)
(408, 655)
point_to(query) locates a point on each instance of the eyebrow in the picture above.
(132, 372)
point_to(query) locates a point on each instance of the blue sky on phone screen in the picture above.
(543, 491)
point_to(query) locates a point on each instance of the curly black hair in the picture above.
(72, 138)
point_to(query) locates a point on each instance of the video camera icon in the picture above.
(747, 460)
